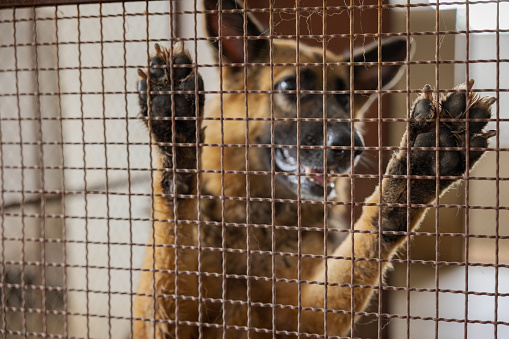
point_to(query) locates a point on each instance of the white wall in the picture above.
(100, 231)
(97, 225)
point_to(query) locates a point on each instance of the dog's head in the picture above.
(310, 106)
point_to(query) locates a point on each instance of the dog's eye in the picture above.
(307, 83)
(287, 84)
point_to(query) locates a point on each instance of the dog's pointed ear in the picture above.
(232, 31)
(366, 75)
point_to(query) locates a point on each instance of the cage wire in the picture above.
(77, 167)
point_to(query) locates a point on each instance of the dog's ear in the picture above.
(232, 32)
(366, 75)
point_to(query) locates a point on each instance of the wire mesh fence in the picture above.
(254, 168)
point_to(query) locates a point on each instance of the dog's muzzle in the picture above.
(315, 166)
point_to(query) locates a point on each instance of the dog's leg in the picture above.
(174, 142)
(363, 248)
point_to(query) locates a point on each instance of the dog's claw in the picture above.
(470, 84)
(489, 134)
(158, 49)
(427, 92)
(490, 100)
(142, 74)
(178, 48)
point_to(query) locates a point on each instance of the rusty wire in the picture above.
(32, 203)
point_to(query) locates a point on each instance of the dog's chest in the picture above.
(268, 241)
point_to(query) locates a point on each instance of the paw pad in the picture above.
(172, 111)
(160, 70)
(457, 112)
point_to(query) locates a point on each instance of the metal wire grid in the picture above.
(46, 291)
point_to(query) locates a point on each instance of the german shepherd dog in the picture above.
(239, 243)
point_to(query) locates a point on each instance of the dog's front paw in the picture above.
(462, 124)
(171, 107)
(461, 142)
(168, 82)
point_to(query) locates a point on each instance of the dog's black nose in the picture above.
(340, 138)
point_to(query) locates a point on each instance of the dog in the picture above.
(239, 244)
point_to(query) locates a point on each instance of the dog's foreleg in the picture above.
(172, 120)
(361, 260)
